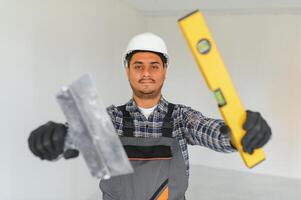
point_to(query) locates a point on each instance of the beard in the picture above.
(147, 94)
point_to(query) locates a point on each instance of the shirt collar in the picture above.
(131, 106)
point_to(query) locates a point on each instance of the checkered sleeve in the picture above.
(116, 117)
(204, 131)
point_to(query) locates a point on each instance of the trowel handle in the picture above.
(69, 144)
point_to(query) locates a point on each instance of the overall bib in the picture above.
(159, 167)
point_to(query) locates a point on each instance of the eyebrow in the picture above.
(140, 62)
(155, 62)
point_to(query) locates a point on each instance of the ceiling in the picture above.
(175, 7)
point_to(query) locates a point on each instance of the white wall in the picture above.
(43, 46)
(47, 44)
(263, 54)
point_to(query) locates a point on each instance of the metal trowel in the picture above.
(90, 129)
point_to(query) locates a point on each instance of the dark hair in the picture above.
(129, 56)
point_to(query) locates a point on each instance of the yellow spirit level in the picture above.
(210, 63)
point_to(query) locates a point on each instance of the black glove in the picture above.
(257, 134)
(47, 142)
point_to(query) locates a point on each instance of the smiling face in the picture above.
(146, 74)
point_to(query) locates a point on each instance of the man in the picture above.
(154, 132)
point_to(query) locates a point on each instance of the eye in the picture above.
(155, 67)
(137, 67)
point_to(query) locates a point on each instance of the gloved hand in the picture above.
(47, 142)
(257, 134)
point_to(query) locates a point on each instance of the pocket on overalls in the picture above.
(111, 188)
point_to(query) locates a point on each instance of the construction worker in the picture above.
(155, 133)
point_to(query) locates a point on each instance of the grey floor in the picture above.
(208, 183)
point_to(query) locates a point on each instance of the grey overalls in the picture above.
(159, 167)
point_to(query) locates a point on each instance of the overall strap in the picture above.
(128, 127)
(128, 122)
(167, 126)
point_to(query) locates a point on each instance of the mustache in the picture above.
(146, 79)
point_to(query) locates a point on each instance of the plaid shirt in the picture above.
(190, 127)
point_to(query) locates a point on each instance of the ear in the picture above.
(127, 70)
(165, 71)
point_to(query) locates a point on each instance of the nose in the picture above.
(146, 72)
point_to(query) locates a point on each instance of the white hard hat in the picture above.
(146, 42)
